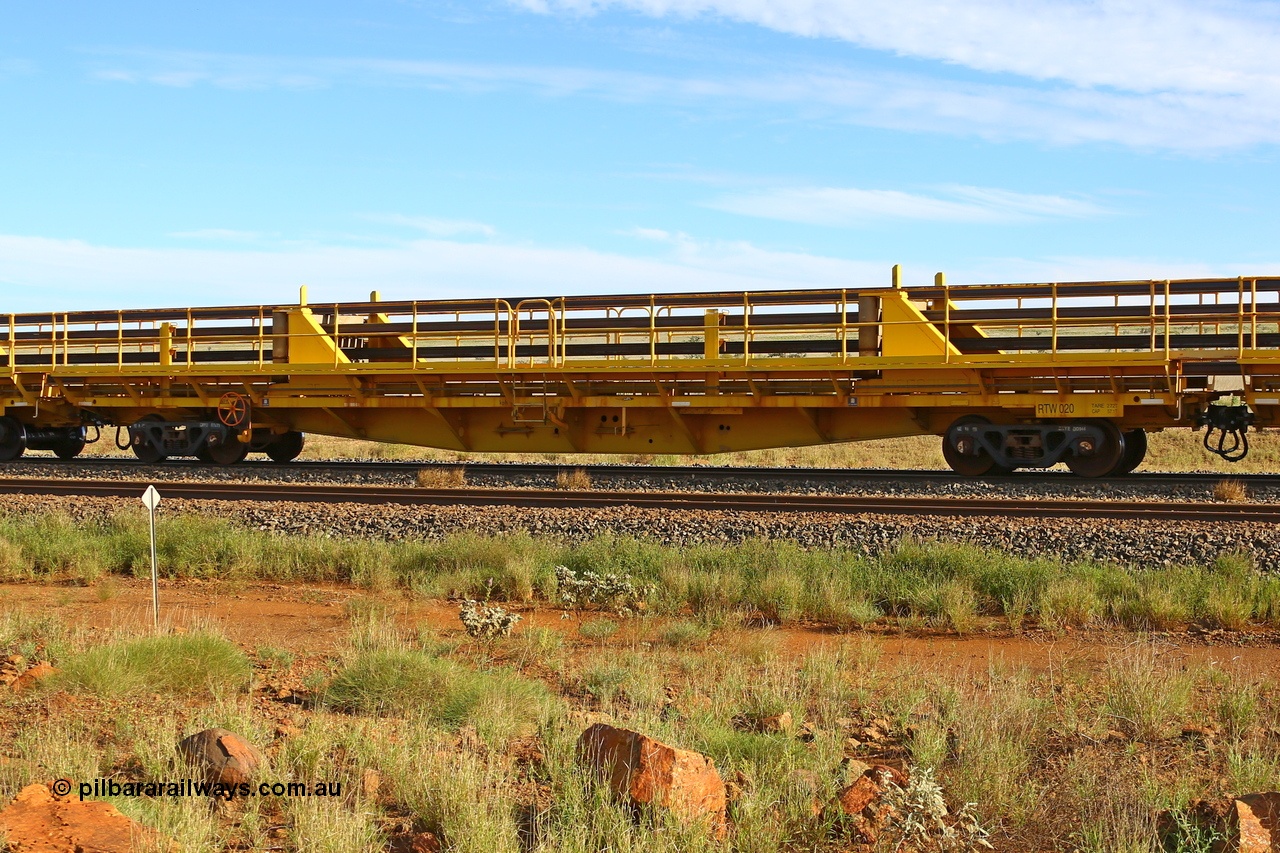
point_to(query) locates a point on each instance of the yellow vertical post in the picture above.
(1053, 302)
(897, 275)
(711, 334)
(868, 325)
(166, 344)
(302, 296)
(1253, 313)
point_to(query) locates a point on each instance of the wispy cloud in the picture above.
(38, 273)
(1190, 120)
(223, 235)
(1222, 46)
(434, 227)
(14, 67)
(846, 206)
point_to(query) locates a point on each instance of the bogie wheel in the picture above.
(1104, 459)
(229, 452)
(966, 464)
(286, 447)
(146, 452)
(70, 447)
(13, 439)
(1135, 450)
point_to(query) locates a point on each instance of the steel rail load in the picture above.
(1010, 375)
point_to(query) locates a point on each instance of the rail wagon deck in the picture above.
(1010, 375)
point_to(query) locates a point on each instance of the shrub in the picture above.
(598, 629)
(683, 632)
(487, 621)
(190, 663)
(577, 480)
(610, 590)
(394, 682)
(1143, 696)
(441, 478)
(1230, 491)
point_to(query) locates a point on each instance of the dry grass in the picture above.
(441, 478)
(1230, 491)
(464, 739)
(577, 480)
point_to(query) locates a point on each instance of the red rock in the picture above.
(222, 756)
(647, 772)
(424, 842)
(860, 801)
(1257, 820)
(1248, 824)
(32, 676)
(38, 822)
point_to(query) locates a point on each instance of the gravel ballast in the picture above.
(1135, 543)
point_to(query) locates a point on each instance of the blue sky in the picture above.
(155, 155)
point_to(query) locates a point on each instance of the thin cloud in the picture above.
(1131, 45)
(433, 227)
(846, 206)
(222, 235)
(56, 274)
(1187, 121)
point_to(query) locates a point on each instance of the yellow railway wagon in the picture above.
(1010, 375)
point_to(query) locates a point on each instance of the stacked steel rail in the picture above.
(1012, 375)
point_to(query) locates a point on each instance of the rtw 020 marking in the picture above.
(1087, 409)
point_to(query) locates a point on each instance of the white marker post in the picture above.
(151, 500)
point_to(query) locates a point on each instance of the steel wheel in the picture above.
(965, 464)
(146, 452)
(70, 447)
(1104, 459)
(228, 452)
(1135, 450)
(13, 439)
(286, 447)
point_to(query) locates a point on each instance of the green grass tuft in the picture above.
(188, 663)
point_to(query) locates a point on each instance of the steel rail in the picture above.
(694, 474)
(732, 502)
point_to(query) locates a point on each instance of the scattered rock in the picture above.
(861, 804)
(1249, 823)
(648, 773)
(417, 842)
(222, 756)
(737, 787)
(1258, 822)
(425, 842)
(768, 724)
(38, 822)
(1203, 734)
(33, 676)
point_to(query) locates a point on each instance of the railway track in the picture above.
(723, 502)
(692, 474)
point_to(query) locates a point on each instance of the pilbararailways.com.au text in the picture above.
(196, 788)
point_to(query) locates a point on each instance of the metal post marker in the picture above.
(151, 499)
